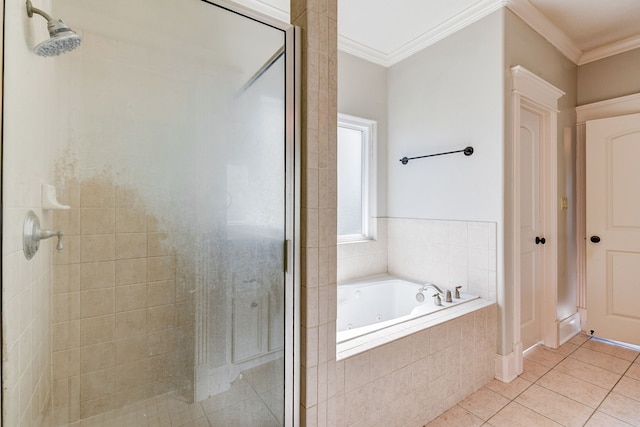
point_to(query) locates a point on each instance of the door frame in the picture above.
(536, 95)
(621, 106)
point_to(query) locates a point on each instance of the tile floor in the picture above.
(256, 398)
(585, 382)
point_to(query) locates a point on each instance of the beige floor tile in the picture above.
(552, 405)
(573, 388)
(600, 419)
(515, 415)
(602, 360)
(545, 356)
(565, 349)
(532, 371)
(611, 349)
(628, 387)
(622, 407)
(589, 373)
(633, 372)
(484, 403)
(509, 390)
(457, 417)
(579, 339)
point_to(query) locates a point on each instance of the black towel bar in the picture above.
(467, 152)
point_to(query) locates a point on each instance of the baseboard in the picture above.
(583, 319)
(569, 328)
(510, 366)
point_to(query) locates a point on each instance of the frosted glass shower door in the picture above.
(172, 142)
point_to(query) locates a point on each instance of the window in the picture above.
(356, 189)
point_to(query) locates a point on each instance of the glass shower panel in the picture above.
(172, 122)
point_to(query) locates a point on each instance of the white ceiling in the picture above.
(386, 32)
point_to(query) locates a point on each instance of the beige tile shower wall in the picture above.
(114, 320)
(412, 380)
(366, 258)
(318, 98)
(448, 253)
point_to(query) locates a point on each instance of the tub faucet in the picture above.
(431, 285)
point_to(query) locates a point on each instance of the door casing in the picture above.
(538, 96)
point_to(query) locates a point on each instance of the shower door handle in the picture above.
(287, 254)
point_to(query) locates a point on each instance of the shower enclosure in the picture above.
(169, 136)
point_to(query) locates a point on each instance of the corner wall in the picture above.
(523, 46)
(608, 78)
(318, 299)
(29, 80)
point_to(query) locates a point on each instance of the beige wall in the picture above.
(121, 333)
(610, 77)
(525, 47)
(318, 22)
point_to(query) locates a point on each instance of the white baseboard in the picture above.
(583, 319)
(510, 366)
(569, 327)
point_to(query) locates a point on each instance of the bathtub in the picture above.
(374, 303)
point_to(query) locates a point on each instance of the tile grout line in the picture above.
(611, 391)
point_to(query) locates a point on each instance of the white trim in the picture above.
(265, 8)
(536, 20)
(369, 129)
(510, 366)
(535, 88)
(426, 39)
(569, 328)
(629, 104)
(536, 95)
(610, 50)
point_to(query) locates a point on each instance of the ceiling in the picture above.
(584, 30)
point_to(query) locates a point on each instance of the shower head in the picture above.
(63, 39)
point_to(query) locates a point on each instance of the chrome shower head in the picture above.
(63, 39)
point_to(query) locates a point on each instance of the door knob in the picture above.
(540, 240)
(595, 239)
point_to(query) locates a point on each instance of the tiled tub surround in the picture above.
(447, 253)
(414, 378)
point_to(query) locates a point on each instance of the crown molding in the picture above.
(610, 50)
(536, 20)
(623, 105)
(522, 8)
(359, 50)
(535, 88)
(446, 28)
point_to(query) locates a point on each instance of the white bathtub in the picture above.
(374, 303)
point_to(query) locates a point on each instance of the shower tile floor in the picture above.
(254, 399)
(585, 382)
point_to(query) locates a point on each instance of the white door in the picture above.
(613, 228)
(531, 241)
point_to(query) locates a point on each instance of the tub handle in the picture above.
(458, 291)
(437, 300)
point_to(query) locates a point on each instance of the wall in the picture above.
(525, 47)
(318, 225)
(412, 380)
(444, 98)
(447, 253)
(608, 78)
(29, 140)
(362, 92)
(121, 330)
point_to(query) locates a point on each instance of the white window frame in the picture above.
(369, 181)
